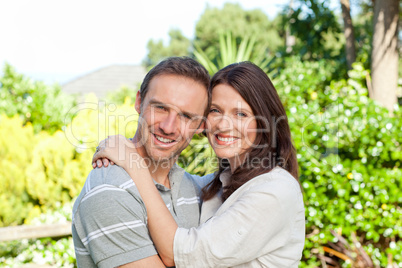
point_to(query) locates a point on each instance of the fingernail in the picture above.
(99, 163)
(93, 165)
(105, 163)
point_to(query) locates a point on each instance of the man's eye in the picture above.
(186, 116)
(160, 107)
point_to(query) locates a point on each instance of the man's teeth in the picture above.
(226, 139)
(159, 138)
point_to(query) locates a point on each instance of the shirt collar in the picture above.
(175, 176)
(225, 177)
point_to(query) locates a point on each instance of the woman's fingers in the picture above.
(115, 147)
(102, 162)
(99, 163)
(105, 162)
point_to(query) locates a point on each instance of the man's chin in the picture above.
(158, 157)
(162, 155)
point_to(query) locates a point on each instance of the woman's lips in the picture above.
(225, 140)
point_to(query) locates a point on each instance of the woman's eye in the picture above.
(241, 114)
(214, 110)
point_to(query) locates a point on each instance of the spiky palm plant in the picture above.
(230, 53)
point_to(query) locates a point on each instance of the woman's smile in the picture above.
(225, 140)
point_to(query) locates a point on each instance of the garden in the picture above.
(349, 145)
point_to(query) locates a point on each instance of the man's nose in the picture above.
(169, 124)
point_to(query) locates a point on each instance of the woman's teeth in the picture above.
(226, 139)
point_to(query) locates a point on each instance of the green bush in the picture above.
(38, 170)
(120, 96)
(349, 152)
(42, 105)
(16, 142)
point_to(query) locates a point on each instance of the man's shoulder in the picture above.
(111, 175)
(107, 181)
(109, 220)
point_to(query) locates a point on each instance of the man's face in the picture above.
(170, 114)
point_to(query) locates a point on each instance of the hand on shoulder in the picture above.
(118, 150)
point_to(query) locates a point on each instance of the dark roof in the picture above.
(106, 79)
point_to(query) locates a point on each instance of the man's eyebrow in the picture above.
(155, 101)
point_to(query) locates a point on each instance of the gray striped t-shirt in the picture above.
(110, 220)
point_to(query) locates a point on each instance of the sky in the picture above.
(59, 40)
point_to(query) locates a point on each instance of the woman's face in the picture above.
(232, 125)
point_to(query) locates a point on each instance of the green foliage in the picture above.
(38, 170)
(16, 142)
(43, 106)
(198, 158)
(179, 45)
(232, 18)
(363, 29)
(120, 96)
(316, 28)
(349, 156)
(230, 53)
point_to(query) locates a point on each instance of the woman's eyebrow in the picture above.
(234, 109)
(215, 105)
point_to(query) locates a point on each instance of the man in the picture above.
(109, 217)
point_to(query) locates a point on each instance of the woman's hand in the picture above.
(104, 161)
(116, 150)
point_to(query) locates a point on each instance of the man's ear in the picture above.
(201, 128)
(138, 102)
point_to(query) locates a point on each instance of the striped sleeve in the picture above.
(109, 225)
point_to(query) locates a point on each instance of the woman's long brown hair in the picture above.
(273, 144)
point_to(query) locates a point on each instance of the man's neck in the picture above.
(159, 170)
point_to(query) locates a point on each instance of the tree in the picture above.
(316, 29)
(240, 23)
(179, 45)
(349, 33)
(35, 102)
(384, 56)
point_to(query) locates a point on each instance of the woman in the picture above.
(253, 213)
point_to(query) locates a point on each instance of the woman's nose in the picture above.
(223, 123)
